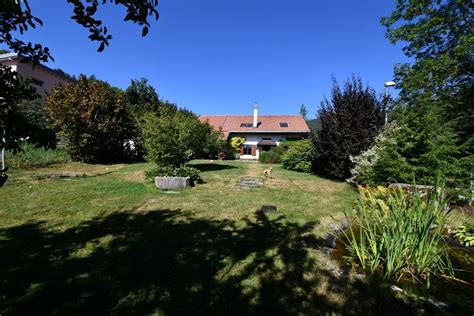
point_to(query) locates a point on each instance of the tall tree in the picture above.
(140, 96)
(304, 112)
(92, 116)
(16, 18)
(350, 121)
(438, 38)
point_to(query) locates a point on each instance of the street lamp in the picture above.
(387, 85)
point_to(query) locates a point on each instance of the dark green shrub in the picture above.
(158, 171)
(269, 157)
(191, 172)
(298, 155)
(175, 137)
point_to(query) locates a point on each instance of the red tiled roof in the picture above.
(266, 123)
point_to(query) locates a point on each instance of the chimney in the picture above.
(255, 115)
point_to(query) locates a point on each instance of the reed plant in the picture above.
(399, 234)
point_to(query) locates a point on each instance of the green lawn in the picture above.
(94, 239)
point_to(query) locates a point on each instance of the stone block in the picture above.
(168, 183)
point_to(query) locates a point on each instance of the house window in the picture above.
(246, 124)
(283, 124)
(247, 150)
(37, 82)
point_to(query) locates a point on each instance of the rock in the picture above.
(250, 183)
(360, 277)
(268, 208)
(396, 289)
(168, 183)
(438, 304)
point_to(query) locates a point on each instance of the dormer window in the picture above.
(283, 124)
(246, 124)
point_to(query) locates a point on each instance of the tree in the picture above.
(91, 115)
(16, 18)
(174, 137)
(304, 112)
(21, 115)
(235, 143)
(140, 96)
(438, 37)
(349, 124)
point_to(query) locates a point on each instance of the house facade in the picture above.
(261, 132)
(43, 78)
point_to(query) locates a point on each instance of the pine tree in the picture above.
(304, 112)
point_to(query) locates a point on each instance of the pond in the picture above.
(458, 293)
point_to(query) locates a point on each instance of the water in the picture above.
(458, 293)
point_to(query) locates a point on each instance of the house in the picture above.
(261, 132)
(43, 78)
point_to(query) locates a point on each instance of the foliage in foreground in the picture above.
(399, 234)
(349, 123)
(436, 86)
(31, 156)
(17, 18)
(298, 155)
(21, 114)
(464, 234)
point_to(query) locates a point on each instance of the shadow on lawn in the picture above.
(168, 262)
(204, 167)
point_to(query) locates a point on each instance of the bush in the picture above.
(298, 155)
(158, 171)
(92, 116)
(393, 232)
(31, 156)
(381, 164)
(464, 234)
(166, 171)
(269, 157)
(191, 172)
(414, 146)
(175, 137)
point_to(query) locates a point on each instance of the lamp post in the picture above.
(387, 85)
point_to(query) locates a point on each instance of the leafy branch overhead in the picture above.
(16, 16)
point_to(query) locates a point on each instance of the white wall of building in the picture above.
(48, 79)
(253, 139)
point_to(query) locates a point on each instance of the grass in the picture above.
(29, 156)
(94, 239)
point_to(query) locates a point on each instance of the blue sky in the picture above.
(219, 56)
